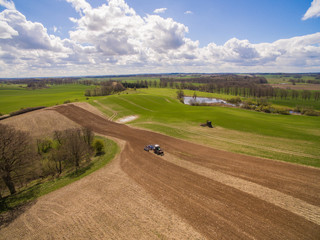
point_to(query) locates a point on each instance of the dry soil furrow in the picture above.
(238, 215)
(297, 206)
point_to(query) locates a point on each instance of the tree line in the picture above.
(23, 160)
(236, 85)
(105, 88)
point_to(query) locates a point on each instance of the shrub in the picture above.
(67, 101)
(44, 146)
(283, 111)
(98, 146)
(266, 109)
(248, 105)
(311, 112)
(180, 95)
(235, 100)
(263, 102)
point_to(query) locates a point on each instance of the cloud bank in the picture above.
(114, 39)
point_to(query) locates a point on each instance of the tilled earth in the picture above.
(193, 192)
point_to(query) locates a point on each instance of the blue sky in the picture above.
(72, 37)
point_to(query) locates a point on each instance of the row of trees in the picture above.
(138, 84)
(106, 88)
(23, 160)
(42, 82)
(238, 86)
(294, 81)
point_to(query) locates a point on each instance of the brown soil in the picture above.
(192, 192)
(41, 123)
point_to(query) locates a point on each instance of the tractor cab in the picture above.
(157, 150)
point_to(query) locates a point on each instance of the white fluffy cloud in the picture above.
(313, 11)
(25, 34)
(160, 10)
(6, 31)
(116, 30)
(80, 5)
(114, 39)
(188, 12)
(7, 4)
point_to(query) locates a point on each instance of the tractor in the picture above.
(208, 124)
(155, 148)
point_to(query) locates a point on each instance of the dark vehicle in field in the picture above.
(155, 148)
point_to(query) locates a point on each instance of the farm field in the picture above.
(13, 97)
(280, 79)
(282, 137)
(298, 86)
(192, 192)
(293, 103)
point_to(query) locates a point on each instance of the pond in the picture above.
(189, 100)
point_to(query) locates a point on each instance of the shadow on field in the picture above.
(8, 215)
(80, 171)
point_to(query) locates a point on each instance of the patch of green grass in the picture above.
(41, 187)
(292, 103)
(13, 97)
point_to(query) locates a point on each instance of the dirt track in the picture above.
(201, 193)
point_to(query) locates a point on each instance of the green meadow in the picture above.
(14, 97)
(293, 103)
(289, 138)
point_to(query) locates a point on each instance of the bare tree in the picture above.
(75, 145)
(88, 136)
(15, 154)
(59, 157)
(180, 94)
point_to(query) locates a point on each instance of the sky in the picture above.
(104, 37)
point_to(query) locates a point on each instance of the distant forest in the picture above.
(237, 85)
(230, 84)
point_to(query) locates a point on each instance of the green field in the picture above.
(13, 97)
(278, 79)
(287, 138)
(292, 103)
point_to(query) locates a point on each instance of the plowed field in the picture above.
(193, 192)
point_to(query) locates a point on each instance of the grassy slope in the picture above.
(288, 138)
(39, 188)
(13, 97)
